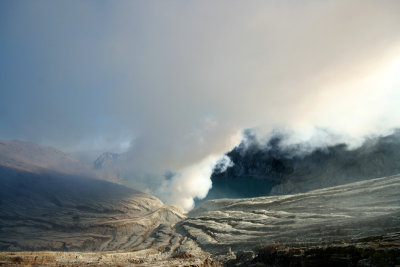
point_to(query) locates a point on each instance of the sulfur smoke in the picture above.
(173, 84)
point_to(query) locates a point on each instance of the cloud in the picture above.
(180, 80)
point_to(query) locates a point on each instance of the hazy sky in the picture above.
(175, 82)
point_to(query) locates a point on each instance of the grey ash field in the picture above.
(52, 216)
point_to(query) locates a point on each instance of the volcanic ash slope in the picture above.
(347, 212)
(51, 201)
(49, 212)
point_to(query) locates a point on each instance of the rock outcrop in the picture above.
(381, 250)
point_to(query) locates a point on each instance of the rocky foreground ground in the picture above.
(372, 251)
(350, 225)
(111, 258)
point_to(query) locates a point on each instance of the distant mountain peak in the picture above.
(105, 160)
(33, 157)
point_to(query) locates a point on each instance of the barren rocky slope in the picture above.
(347, 212)
(351, 225)
(63, 212)
(49, 202)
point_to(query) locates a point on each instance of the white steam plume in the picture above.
(184, 78)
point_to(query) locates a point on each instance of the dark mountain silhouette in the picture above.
(297, 168)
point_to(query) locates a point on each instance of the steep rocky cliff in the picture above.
(296, 169)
